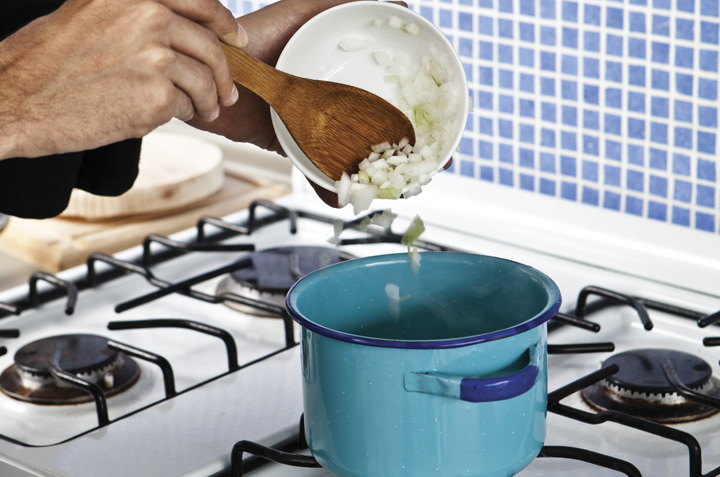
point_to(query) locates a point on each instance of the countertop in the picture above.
(248, 159)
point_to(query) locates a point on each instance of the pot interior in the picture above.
(453, 298)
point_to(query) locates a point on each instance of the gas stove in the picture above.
(177, 357)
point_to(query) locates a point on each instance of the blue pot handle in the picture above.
(478, 389)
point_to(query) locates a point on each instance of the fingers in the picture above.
(213, 16)
(194, 32)
(201, 44)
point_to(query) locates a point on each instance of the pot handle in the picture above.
(478, 389)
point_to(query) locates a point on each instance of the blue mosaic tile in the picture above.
(634, 205)
(547, 9)
(684, 29)
(570, 37)
(636, 48)
(527, 7)
(445, 19)
(506, 104)
(613, 149)
(526, 57)
(614, 45)
(684, 57)
(485, 50)
(635, 180)
(505, 7)
(706, 170)
(569, 65)
(591, 41)
(569, 90)
(709, 32)
(682, 191)
(526, 158)
(706, 142)
(527, 32)
(704, 222)
(664, 4)
(660, 107)
(548, 36)
(707, 116)
(487, 174)
(547, 61)
(635, 154)
(568, 191)
(613, 71)
(681, 216)
(506, 177)
(590, 171)
(547, 187)
(591, 94)
(709, 60)
(547, 138)
(705, 195)
(614, 17)
(591, 120)
(527, 83)
(568, 141)
(612, 175)
(505, 128)
(658, 186)
(660, 52)
(684, 84)
(526, 133)
(590, 196)
(661, 25)
(660, 80)
(612, 201)
(613, 124)
(591, 68)
(527, 182)
(709, 7)
(658, 159)
(683, 137)
(681, 164)
(569, 11)
(467, 168)
(568, 166)
(485, 150)
(657, 211)
(707, 89)
(686, 5)
(569, 116)
(505, 54)
(485, 24)
(547, 162)
(592, 15)
(548, 112)
(637, 22)
(547, 86)
(505, 28)
(506, 154)
(658, 133)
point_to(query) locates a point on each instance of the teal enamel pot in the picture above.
(447, 377)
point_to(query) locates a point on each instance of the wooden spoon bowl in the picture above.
(334, 124)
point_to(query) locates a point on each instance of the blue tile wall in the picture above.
(611, 105)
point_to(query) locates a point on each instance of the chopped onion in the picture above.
(430, 99)
(382, 58)
(351, 43)
(414, 230)
(337, 230)
(393, 293)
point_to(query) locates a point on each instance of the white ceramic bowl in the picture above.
(313, 52)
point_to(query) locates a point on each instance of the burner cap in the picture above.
(640, 387)
(270, 273)
(86, 356)
(640, 370)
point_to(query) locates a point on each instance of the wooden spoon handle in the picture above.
(260, 78)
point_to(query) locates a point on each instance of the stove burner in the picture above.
(86, 356)
(270, 273)
(641, 389)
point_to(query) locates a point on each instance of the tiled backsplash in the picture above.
(610, 104)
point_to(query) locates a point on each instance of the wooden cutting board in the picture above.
(175, 170)
(62, 242)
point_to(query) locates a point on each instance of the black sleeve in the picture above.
(40, 187)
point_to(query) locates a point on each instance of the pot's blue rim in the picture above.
(550, 310)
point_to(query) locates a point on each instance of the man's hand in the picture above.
(100, 71)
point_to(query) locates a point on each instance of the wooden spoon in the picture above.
(333, 124)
